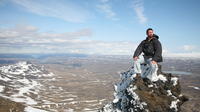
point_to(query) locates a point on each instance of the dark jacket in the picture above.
(151, 49)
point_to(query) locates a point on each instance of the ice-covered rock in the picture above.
(139, 94)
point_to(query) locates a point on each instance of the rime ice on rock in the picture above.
(139, 94)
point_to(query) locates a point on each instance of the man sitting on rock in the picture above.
(152, 49)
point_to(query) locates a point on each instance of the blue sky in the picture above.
(98, 26)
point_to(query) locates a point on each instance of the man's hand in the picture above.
(153, 62)
(135, 58)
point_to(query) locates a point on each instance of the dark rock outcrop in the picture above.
(138, 94)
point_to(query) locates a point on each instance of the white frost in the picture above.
(169, 92)
(174, 79)
(162, 78)
(174, 104)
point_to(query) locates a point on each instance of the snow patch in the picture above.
(69, 110)
(31, 109)
(1, 88)
(197, 88)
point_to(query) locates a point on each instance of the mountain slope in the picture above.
(20, 82)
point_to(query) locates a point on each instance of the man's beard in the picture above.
(150, 36)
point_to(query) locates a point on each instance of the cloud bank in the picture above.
(28, 39)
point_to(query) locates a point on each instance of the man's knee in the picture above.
(137, 61)
(154, 66)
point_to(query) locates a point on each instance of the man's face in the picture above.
(150, 33)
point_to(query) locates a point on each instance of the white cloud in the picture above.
(106, 8)
(18, 31)
(188, 47)
(139, 10)
(61, 9)
(184, 55)
(28, 39)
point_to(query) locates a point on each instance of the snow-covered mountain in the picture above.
(138, 94)
(20, 83)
